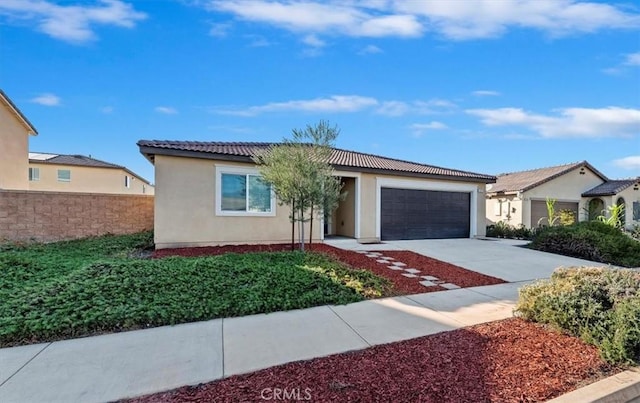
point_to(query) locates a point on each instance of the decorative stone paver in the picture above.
(395, 268)
(426, 281)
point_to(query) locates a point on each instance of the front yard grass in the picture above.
(98, 285)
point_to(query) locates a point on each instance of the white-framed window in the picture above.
(64, 175)
(242, 192)
(127, 181)
(144, 189)
(497, 208)
(34, 174)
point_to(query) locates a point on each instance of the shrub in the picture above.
(594, 241)
(502, 229)
(599, 305)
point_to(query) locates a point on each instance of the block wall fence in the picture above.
(55, 216)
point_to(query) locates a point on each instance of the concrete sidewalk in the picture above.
(115, 366)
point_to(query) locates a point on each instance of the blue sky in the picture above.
(489, 86)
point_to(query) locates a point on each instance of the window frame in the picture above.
(63, 180)
(127, 182)
(36, 177)
(234, 170)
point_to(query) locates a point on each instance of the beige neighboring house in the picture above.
(79, 173)
(209, 193)
(15, 130)
(519, 198)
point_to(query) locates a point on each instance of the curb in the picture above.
(621, 388)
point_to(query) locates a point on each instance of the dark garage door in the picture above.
(424, 214)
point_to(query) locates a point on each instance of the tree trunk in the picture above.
(293, 225)
(301, 222)
(311, 229)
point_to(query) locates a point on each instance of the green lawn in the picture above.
(77, 288)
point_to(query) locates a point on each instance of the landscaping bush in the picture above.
(599, 305)
(502, 229)
(592, 240)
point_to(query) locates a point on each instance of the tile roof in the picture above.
(77, 160)
(610, 188)
(339, 158)
(525, 180)
(18, 112)
(63, 159)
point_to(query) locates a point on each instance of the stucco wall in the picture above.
(88, 180)
(345, 217)
(14, 151)
(509, 208)
(185, 213)
(54, 216)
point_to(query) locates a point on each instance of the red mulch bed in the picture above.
(444, 271)
(505, 361)
(401, 285)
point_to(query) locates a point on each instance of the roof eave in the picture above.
(150, 152)
(31, 130)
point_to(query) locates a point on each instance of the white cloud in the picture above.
(167, 110)
(71, 23)
(461, 20)
(632, 59)
(313, 41)
(370, 50)
(568, 122)
(393, 108)
(47, 100)
(485, 93)
(419, 129)
(219, 30)
(107, 110)
(344, 104)
(332, 104)
(631, 162)
(457, 20)
(319, 17)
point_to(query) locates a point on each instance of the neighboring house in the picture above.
(519, 198)
(207, 193)
(15, 130)
(79, 173)
(625, 192)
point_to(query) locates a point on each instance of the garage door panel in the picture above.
(424, 214)
(539, 210)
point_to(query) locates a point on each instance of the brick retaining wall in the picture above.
(54, 216)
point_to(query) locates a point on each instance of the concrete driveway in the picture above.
(503, 258)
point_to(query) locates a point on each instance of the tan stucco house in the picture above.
(79, 173)
(15, 130)
(519, 198)
(207, 193)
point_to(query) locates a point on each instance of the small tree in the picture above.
(301, 176)
(551, 217)
(616, 212)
